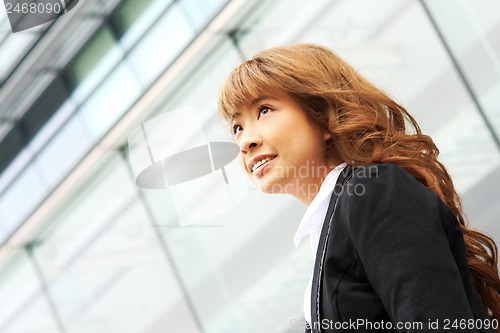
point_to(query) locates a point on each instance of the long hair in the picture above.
(367, 127)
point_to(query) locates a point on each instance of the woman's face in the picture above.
(280, 150)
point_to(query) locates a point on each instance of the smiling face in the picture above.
(280, 150)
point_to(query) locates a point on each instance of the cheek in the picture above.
(308, 147)
(304, 136)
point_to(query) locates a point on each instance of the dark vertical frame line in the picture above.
(45, 287)
(461, 73)
(233, 36)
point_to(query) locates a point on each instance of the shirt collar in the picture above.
(315, 214)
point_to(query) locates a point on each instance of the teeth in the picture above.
(259, 163)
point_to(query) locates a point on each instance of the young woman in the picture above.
(393, 251)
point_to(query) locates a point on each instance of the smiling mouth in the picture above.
(263, 161)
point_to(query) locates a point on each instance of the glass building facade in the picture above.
(85, 249)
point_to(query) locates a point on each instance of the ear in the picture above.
(327, 135)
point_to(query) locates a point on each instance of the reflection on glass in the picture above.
(161, 45)
(93, 64)
(113, 97)
(23, 303)
(11, 48)
(106, 268)
(15, 167)
(470, 31)
(63, 152)
(465, 144)
(135, 17)
(52, 125)
(199, 12)
(202, 88)
(22, 196)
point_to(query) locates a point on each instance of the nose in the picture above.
(249, 140)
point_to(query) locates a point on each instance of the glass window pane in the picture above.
(106, 269)
(22, 197)
(465, 144)
(137, 26)
(52, 125)
(113, 97)
(130, 11)
(3, 229)
(161, 45)
(15, 167)
(135, 17)
(12, 48)
(64, 150)
(24, 305)
(471, 32)
(93, 64)
(202, 90)
(199, 12)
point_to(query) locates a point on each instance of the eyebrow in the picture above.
(255, 101)
(235, 115)
(258, 99)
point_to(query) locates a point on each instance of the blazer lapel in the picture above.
(344, 176)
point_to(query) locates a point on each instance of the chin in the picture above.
(270, 187)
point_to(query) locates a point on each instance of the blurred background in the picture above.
(84, 249)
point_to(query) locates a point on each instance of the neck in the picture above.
(309, 188)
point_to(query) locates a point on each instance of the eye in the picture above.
(263, 110)
(236, 128)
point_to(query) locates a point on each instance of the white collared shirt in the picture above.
(312, 223)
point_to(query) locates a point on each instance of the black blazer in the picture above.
(391, 252)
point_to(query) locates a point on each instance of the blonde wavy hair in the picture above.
(367, 127)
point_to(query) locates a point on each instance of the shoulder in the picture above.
(382, 191)
(382, 173)
(383, 180)
(388, 179)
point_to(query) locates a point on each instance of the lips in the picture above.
(257, 162)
